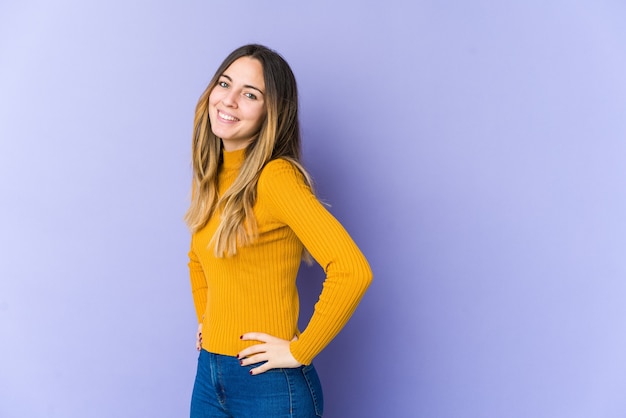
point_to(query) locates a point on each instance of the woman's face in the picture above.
(237, 103)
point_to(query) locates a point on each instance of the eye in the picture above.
(250, 96)
(223, 84)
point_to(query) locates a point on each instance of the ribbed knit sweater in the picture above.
(255, 290)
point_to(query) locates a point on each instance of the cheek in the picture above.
(259, 116)
(213, 99)
(212, 103)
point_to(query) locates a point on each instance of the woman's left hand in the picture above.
(273, 351)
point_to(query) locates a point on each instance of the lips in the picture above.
(225, 117)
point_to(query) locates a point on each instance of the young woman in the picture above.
(253, 218)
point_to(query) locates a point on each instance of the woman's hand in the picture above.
(273, 351)
(199, 337)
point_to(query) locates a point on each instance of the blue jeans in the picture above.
(223, 388)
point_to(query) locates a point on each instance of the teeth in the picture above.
(227, 117)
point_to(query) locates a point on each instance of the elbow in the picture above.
(366, 275)
(369, 277)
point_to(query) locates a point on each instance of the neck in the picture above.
(235, 145)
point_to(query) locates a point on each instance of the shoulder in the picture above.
(281, 171)
(278, 165)
(281, 176)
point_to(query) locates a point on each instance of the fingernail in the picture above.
(241, 337)
(241, 362)
(237, 355)
(251, 372)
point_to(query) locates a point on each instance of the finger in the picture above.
(252, 350)
(261, 369)
(199, 342)
(257, 336)
(257, 358)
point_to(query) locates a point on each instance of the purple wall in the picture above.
(475, 150)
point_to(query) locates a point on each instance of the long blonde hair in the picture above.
(278, 137)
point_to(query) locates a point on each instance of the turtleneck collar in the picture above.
(232, 160)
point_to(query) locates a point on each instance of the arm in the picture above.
(347, 272)
(198, 291)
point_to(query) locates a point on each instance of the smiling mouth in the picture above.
(226, 117)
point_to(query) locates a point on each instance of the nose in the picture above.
(230, 98)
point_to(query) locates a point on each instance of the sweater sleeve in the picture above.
(347, 272)
(198, 283)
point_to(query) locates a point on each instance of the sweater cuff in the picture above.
(301, 353)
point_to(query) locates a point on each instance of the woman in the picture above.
(253, 218)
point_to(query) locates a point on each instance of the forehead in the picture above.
(246, 70)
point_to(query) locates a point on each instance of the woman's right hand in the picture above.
(199, 337)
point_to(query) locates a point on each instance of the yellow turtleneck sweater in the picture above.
(255, 290)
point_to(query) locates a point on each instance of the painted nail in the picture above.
(250, 371)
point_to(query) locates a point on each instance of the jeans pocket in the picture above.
(315, 387)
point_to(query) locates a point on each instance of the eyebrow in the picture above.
(245, 85)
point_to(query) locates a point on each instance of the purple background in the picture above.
(475, 150)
